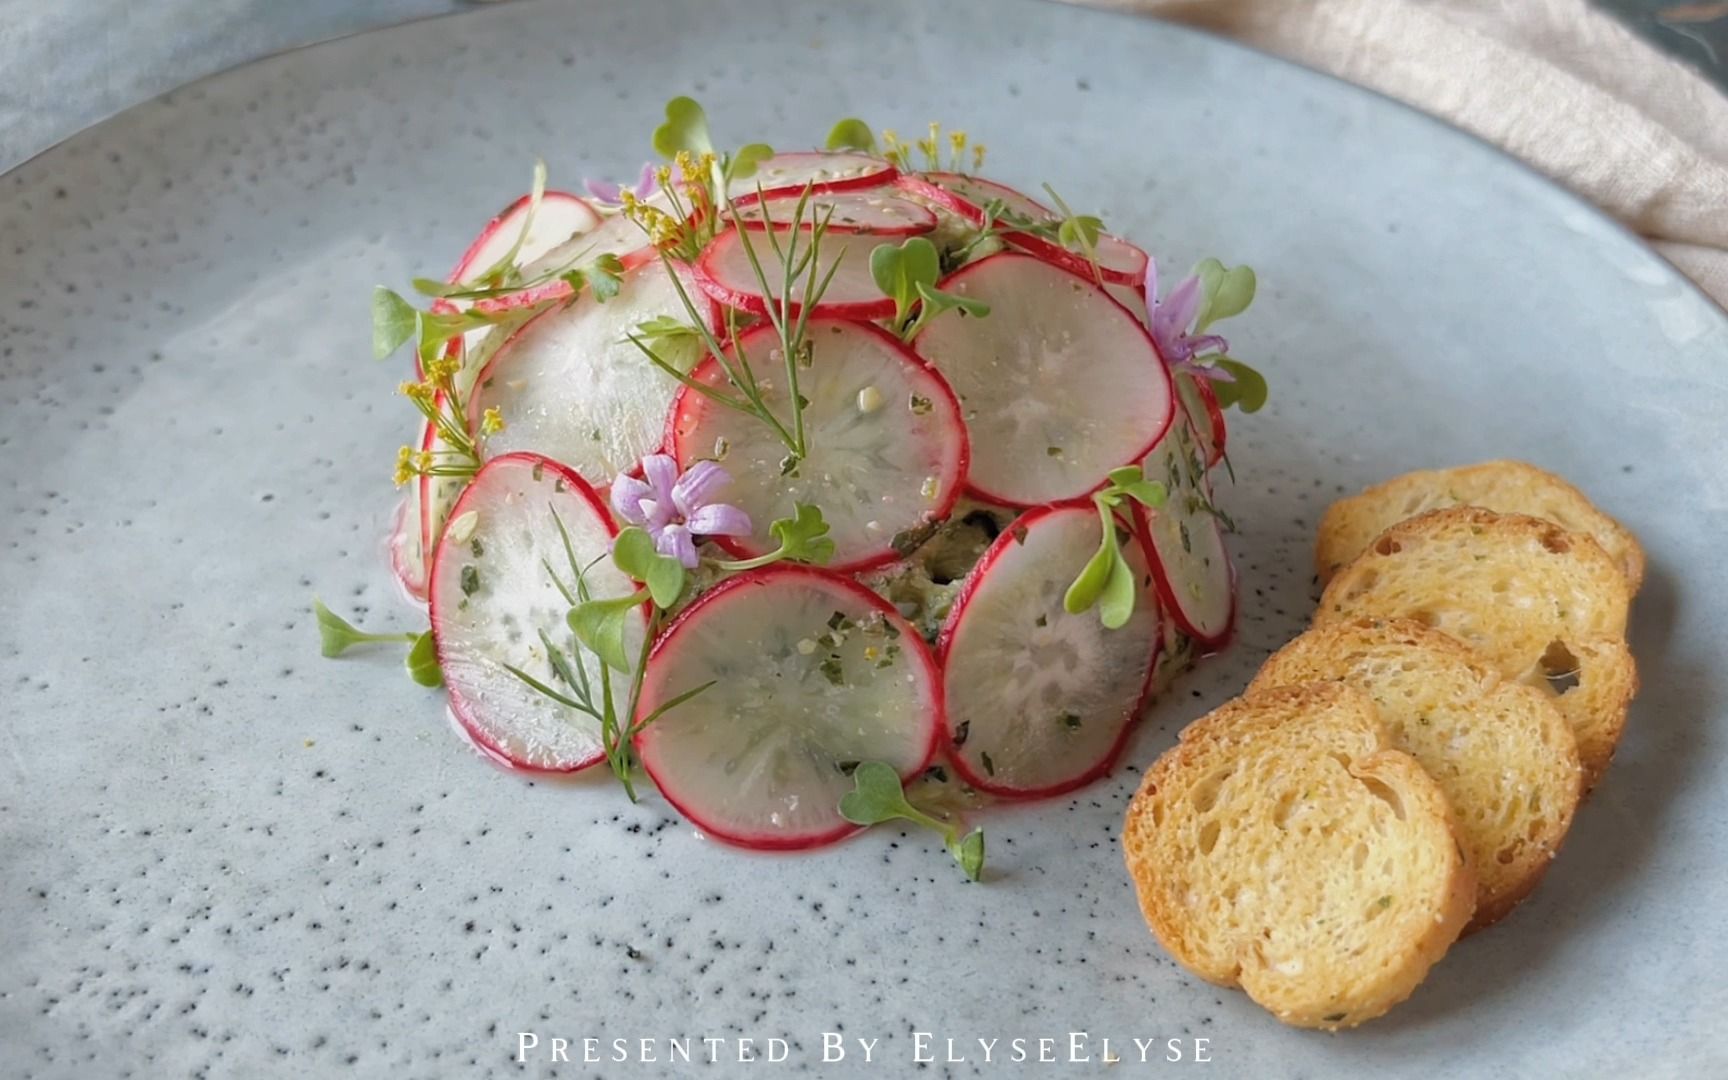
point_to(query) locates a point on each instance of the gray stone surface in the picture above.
(223, 856)
(65, 64)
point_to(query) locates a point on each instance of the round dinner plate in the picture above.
(219, 852)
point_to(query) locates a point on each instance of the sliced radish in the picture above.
(811, 674)
(560, 216)
(1059, 384)
(1189, 560)
(887, 447)
(973, 193)
(1205, 416)
(879, 212)
(407, 555)
(571, 385)
(820, 172)
(1119, 262)
(493, 596)
(726, 273)
(1039, 701)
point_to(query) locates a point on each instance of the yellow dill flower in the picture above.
(418, 392)
(443, 369)
(423, 462)
(404, 465)
(977, 157)
(663, 175)
(957, 144)
(491, 421)
(627, 201)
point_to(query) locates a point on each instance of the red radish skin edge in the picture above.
(1055, 254)
(1210, 643)
(465, 265)
(917, 228)
(1170, 385)
(1214, 418)
(937, 721)
(884, 176)
(944, 641)
(459, 710)
(731, 544)
(753, 304)
(413, 586)
(557, 289)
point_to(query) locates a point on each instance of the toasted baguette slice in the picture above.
(1506, 487)
(1501, 752)
(1285, 847)
(1543, 606)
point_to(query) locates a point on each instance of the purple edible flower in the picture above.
(675, 509)
(607, 193)
(1172, 318)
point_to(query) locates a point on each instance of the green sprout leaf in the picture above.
(1247, 393)
(634, 553)
(1079, 233)
(337, 635)
(423, 662)
(1130, 481)
(1090, 585)
(745, 160)
(394, 322)
(600, 625)
(898, 270)
(852, 134)
(604, 276)
(969, 853)
(1116, 604)
(804, 536)
(686, 128)
(667, 328)
(936, 301)
(877, 797)
(1224, 292)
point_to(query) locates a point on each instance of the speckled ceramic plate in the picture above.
(223, 856)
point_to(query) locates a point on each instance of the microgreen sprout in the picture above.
(601, 627)
(1107, 581)
(801, 275)
(877, 797)
(337, 635)
(908, 273)
(852, 134)
(1181, 321)
(1077, 232)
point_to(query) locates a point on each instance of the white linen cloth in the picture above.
(1558, 83)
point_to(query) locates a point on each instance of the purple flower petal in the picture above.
(645, 181)
(604, 191)
(627, 495)
(719, 519)
(1205, 371)
(662, 473)
(1174, 315)
(698, 486)
(1207, 343)
(1151, 281)
(675, 540)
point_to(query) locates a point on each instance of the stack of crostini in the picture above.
(1404, 771)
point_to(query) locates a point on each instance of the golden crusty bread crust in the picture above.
(1284, 846)
(1506, 487)
(1504, 756)
(1543, 606)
